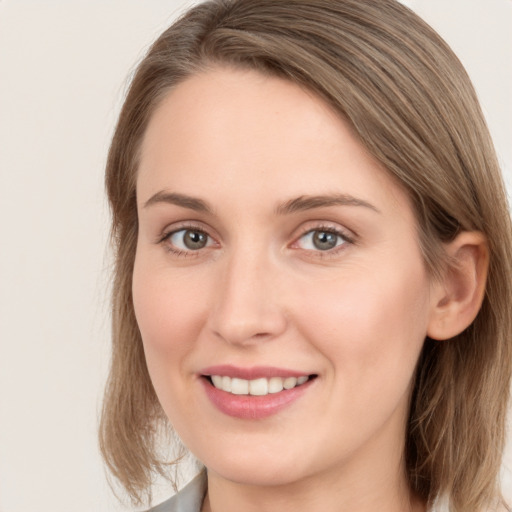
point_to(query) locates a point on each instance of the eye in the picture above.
(189, 240)
(321, 240)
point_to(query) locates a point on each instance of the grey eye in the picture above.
(323, 240)
(189, 239)
(318, 240)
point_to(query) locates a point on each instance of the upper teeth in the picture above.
(258, 387)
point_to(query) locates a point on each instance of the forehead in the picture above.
(263, 136)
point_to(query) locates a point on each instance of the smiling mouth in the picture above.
(256, 387)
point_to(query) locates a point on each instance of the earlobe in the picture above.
(458, 295)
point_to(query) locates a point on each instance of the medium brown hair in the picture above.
(411, 103)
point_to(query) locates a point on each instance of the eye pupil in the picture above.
(194, 240)
(323, 240)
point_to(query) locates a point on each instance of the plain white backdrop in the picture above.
(64, 67)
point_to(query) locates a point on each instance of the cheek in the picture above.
(166, 306)
(370, 325)
(169, 317)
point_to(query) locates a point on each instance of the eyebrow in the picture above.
(304, 203)
(192, 203)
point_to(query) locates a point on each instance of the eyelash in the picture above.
(164, 239)
(347, 239)
(166, 236)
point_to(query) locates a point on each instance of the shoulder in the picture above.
(189, 499)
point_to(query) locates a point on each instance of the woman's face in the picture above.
(274, 250)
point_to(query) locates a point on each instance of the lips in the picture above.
(253, 393)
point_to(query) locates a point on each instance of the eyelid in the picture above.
(322, 225)
(178, 226)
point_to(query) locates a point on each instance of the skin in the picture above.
(261, 293)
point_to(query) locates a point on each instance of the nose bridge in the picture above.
(247, 305)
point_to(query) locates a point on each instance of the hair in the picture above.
(411, 104)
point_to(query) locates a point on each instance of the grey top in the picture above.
(189, 499)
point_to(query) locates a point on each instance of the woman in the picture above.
(313, 258)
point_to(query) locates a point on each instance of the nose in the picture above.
(248, 305)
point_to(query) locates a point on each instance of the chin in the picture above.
(255, 467)
(246, 474)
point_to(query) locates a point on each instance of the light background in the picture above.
(63, 71)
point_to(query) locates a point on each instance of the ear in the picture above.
(457, 297)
